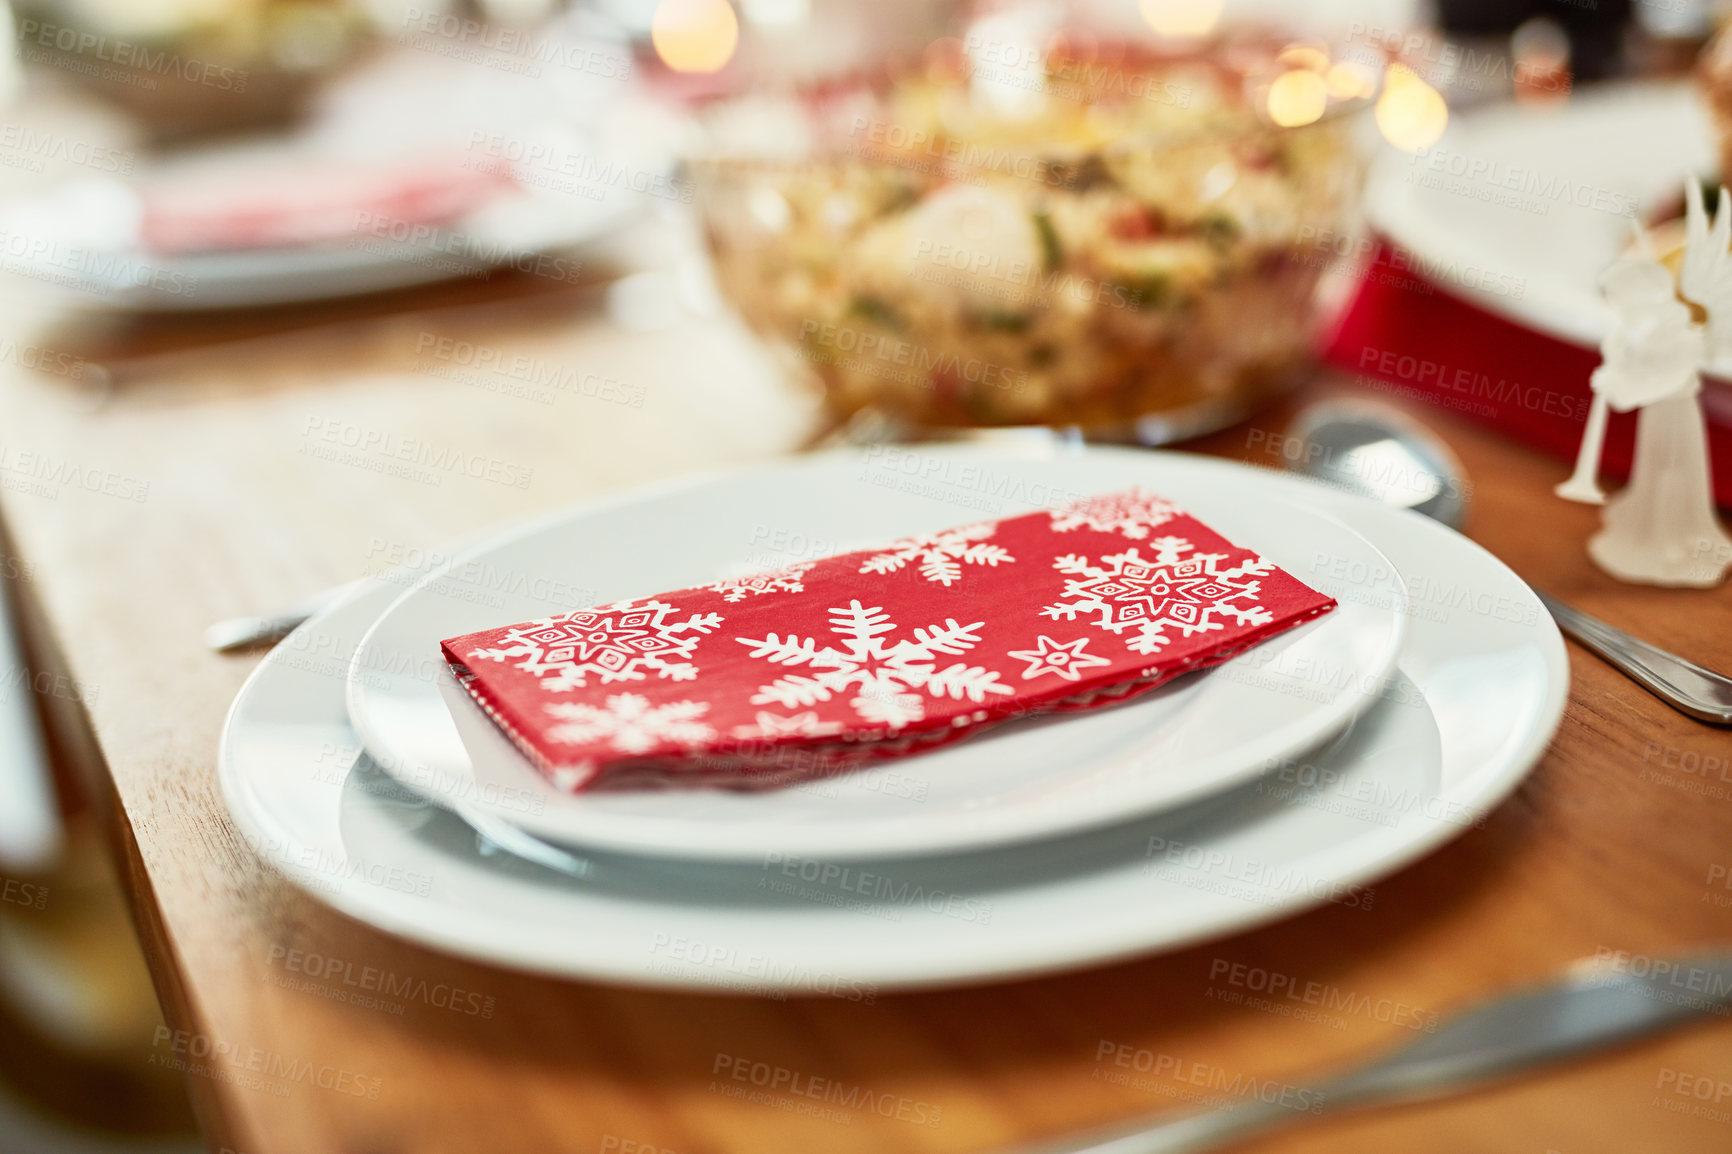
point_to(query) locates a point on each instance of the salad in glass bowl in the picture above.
(1057, 231)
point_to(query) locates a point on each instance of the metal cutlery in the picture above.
(1586, 1012)
(1380, 453)
(237, 633)
(1684, 685)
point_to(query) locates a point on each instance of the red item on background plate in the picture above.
(1417, 339)
(270, 207)
(834, 663)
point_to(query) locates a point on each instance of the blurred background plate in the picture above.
(561, 128)
(512, 232)
(1521, 207)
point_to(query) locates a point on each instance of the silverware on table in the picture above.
(1684, 685)
(1589, 1011)
(249, 632)
(1379, 452)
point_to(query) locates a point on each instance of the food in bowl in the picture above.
(187, 69)
(1115, 238)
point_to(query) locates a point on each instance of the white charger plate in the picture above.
(1482, 689)
(1022, 781)
(1520, 208)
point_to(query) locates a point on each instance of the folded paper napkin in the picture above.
(314, 202)
(829, 664)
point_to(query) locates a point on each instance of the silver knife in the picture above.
(1684, 685)
(1589, 1011)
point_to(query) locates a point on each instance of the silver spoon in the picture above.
(1589, 1010)
(1379, 452)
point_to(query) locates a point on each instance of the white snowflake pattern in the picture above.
(624, 641)
(630, 723)
(887, 675)
(784, 580)
(1065, 658)
(941, 555)
(1131, 513)
(769, 725)
(1194, 594)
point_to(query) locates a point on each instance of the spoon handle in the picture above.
(1685, 686)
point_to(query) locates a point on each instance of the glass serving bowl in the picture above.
(1042, 227)
(190, 69)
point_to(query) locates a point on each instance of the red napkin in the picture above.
(317, 201)
(830, 664)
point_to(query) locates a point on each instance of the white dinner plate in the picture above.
(517, 229)
(1021, 781)
(587, 151)
(1481, 691)
(1519, 208)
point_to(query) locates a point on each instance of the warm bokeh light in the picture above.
(1350, 81)
(1411, 113)
(695, 35)
(1182, 18)
(1297, 97)
(1007, 74)
(1541, 50)
(1304, 56)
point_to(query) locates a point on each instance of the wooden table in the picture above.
(206, 503)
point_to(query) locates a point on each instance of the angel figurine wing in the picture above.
(1652, 352)
(1706, 275)
(1654, 348)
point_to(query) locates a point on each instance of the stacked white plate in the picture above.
(1296, 774)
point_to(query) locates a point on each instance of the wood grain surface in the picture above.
(210, 499)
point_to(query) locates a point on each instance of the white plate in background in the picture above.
(1520, 207)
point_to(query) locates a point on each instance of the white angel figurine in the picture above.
(1661, 529)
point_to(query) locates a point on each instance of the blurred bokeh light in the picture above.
(1182, 18)
(1297, 97)
(695, 35)
(1411, 113)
